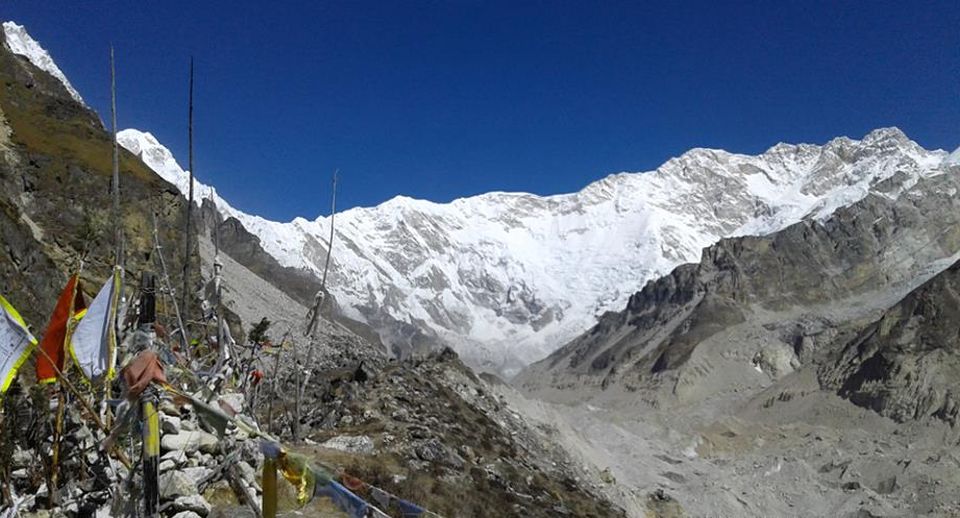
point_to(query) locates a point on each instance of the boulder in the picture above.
(190, 442)
(247, 473)
(233, 400)
(174, 484)
(351, 444)
(170, 424)
(193, 503)
(197, 474)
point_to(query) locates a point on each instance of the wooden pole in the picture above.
(55, 456)
(314, 314)
(273, 385)
(118, 231)
(185, 304)
(333, 213)
(184, 339)
(118, 453)
(269, 487)
(151, 455)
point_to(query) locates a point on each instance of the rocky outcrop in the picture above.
(55, 176)
(907, 365)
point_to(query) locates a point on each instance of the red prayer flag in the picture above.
(68, 305)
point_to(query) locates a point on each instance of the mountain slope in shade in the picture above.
(20, 42)
(509, 277)
(906, 365)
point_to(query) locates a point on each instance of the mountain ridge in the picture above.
(497, 296)
(21, 43)
(507, 278)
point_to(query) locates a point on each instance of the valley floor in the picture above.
(811, 455)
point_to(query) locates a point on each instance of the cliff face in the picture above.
(907, 364)
(55, 175)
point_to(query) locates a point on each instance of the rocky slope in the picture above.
(727, 385)
(495, 275)
(432, 427)
(882, 245)
(906, 366)
(55, 175)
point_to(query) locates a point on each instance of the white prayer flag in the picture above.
(94, 341)
(16, 343)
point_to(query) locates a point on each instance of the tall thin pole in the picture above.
(117, 227)
(186, 249)
(118, 232)
(314, 314)
(185, 340)
(150, 453)
(333, 213)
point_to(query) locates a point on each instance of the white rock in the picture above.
(176, 483)
(193, 503)
(196, 474)
(351, 444)
(175, 456)
(190, 442)
(170, 424)
(187, 514)
(234, 400)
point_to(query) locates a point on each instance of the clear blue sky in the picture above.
(443, 99)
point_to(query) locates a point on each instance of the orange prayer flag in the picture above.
(68, 305)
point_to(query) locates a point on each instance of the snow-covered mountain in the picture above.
(954, 158)
(509, 277)
(20, 42)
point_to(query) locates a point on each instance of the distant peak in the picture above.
(883, 134)
(953, 158)
(20, 42)
(135, 135)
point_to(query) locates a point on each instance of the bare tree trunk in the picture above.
(295, 425)
(186, 249)
(169, 287)
(115, 187)
(276, 393)
(313, 315)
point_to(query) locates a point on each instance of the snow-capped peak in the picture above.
(161, 160)
(953, 158)
(509, 277)
(20, 42)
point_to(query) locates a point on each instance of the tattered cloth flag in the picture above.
(94, 342)
(407, 509)
(346, 501)
(16, 343)
(143, 370)
(70, 305)
(297, 470)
